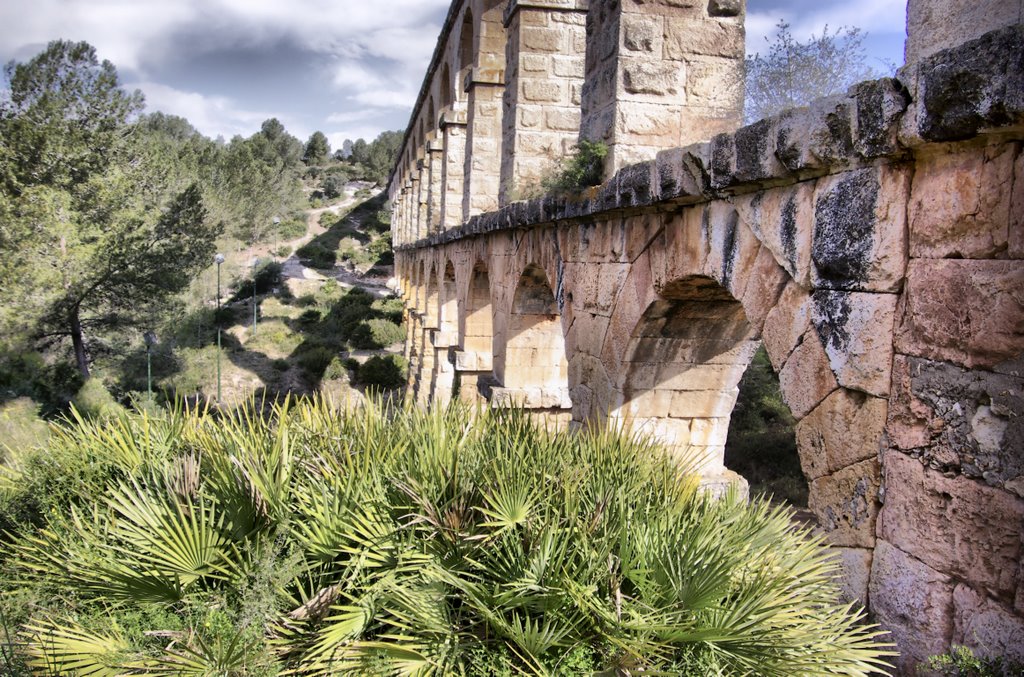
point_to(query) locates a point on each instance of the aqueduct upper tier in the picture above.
(872, 241)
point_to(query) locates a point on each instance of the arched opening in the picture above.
(445, 87)
(474, 363)
(431, 301)
(761, 445)
(684, 361)
(445, 338)
(535, 369)
(466, 43)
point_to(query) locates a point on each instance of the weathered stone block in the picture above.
(660, 79)
(955, 525)
(985, 326)
(860, 230)
(541, 39)
(986, 626)
(973, 86)
(880, 105)
(855, 572)
(844, 429)
(1016, 228)
(786, 323)
(686, 36)
(856, 330)
(815, 137)
(913, 602)
(783, 219)
(765, 283)
(642, 33)
(934, 25)
(725, 7)
(806, 378)
(542, 91)
(959, 420)
(960, 203)
(846, 504)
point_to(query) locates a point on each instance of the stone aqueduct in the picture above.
(872, 241)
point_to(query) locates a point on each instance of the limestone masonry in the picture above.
(872, 241)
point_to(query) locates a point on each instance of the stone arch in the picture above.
(533, 368)
(466, 42)
(431, 299)
(446, 87)
(477, 320)
(684, 360)
(448, 320)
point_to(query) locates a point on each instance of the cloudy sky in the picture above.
(350, 68)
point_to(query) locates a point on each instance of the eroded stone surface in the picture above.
(986, 626)
(806, 378)
(844, 429)
(960, 203)
(913, 602)
(856, 331)
(855, 567)
(966, 312)
(955, 525)
(961, 421)
(846, 504)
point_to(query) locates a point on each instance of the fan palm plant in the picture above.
(311, 541)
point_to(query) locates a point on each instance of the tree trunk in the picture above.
(78, 342)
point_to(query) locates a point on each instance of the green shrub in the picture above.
(962, 662)
(20, 425)
(290, 228)
(375, 334)
(93, 400)
(316, 255)
(382, 371)
(314, 360)
(310, 318)
(583, 168)
(380, 541)
(390, 309)
(335, 370)
(268, 276)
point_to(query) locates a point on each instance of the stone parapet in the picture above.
(853, 131)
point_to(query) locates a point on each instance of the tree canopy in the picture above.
(317, 149)
(794, 73)
(101, 231)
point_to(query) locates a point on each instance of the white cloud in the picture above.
(212, 115)
(877, 17)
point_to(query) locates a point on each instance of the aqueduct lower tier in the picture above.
(872, 241)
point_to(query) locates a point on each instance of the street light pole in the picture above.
(218, 259)
(149, 338)
(255, 262)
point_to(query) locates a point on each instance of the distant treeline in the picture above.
(108, 214)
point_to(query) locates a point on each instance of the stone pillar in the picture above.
(543, 84)
(453, 131)
(414, 207)
(482, 167)
(422, 198)
(435, 187)
(661, 75)
(934, 25)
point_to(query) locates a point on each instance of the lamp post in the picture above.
(149, 338)
(255, 262)
(218, 259)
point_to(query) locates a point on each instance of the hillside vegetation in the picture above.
(378, 542)
(109, 221)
